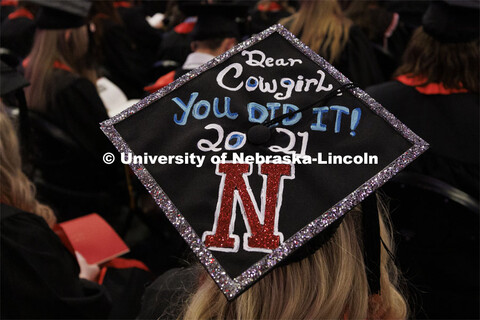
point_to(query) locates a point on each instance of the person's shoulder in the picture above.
(63, 78)
(386, 88)
(15, 215)
(83, 83)
(113, 29)
(66, 81)
(392, 94)
(355, 30)
(73, 91)
(356, 33)
(22, 227)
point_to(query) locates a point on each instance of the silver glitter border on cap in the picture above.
(232, 287)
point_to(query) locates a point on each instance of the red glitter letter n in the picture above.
(262, 225)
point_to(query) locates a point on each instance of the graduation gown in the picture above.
(448, 122)
(76, 109)
(146, 38)
(125, 64)
(358, 61)
(176, 43)
(387, 34)
(39, 276)
(438, 247)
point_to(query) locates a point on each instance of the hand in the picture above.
(87, 271)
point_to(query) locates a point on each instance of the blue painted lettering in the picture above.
(319, 126)
(340, 110)
(256, 112)
(287, 107)
(197, 107)
(356, 114)
(273, 107)
(226, 108)
(252, 83)
(186, 108)
(265, 86)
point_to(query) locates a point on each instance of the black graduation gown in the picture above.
(358, 61)
(39, 276)
(75, 108)
(146, 38)
(449, 123)
(125, 64)
(438, 245)
(389, 50)
(175, 47)
(390, 60)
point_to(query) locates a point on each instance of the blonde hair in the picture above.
(329, 284)
(67, 46)
(16, 190)
(322, 26)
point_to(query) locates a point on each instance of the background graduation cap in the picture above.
(452, 21)
(61, 14)
(268, 96)
(217, 20)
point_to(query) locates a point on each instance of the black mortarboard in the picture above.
(200, 146)
(61, 14)
(10, 80)
(217, 21)
(453, 21)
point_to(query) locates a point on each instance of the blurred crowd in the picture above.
(69, 65)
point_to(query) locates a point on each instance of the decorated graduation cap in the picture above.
(61, 14)
(259, 151)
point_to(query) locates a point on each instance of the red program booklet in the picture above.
(93, 237)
